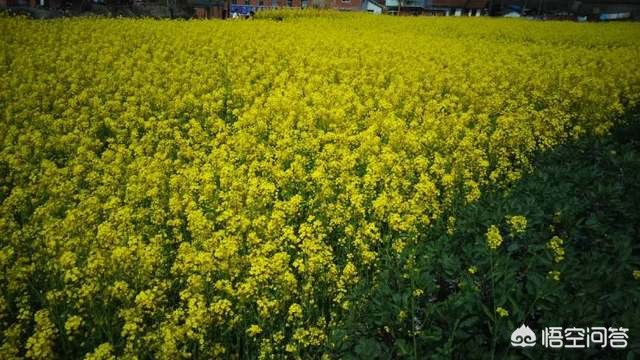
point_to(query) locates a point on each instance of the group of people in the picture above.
(236, 15)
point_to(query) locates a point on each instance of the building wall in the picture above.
(217, 13)
(373, 8)
(200, 13)
(347, 4)
(459, 4)
(336, 4)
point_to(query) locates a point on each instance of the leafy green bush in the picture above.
(585, 192)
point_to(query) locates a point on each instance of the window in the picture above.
(261, 3)
(290, 3)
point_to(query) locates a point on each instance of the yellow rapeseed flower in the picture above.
(502, 311)
(517, 224)
(254, 330)
(73, 324)
(494, 239)
(555, 245)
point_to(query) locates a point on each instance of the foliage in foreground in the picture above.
(308, 188)
(571, 264)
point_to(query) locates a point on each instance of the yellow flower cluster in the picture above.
(40, 344)
(555, 275)
(494, 239)
(213, 189)
(73, 324)
(502, 312)
(102, 352)
(555, 245)
(517, 224)
(254, 330)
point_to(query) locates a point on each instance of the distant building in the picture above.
(351, 5)
(554, 9)
(457, 7)
(374, 6)
(584, 10)
(592, 9)
(437, 7)
(204, 9)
